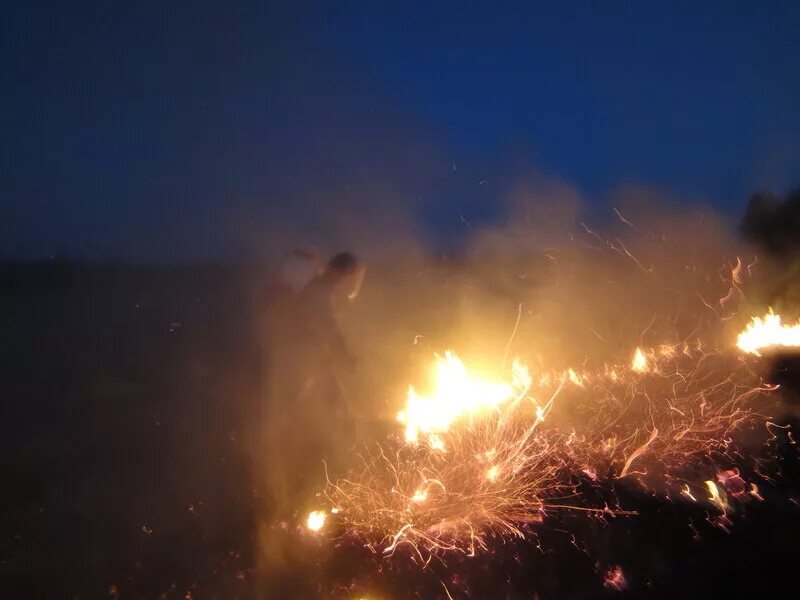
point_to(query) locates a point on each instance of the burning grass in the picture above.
(658, 397)
(494, 465)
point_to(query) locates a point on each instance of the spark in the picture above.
(755, 493)
(638, 452)
(623, 219)
(736, 271)
(688, 493)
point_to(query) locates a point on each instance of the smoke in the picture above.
(547, 284)
(651, 272)
(771, 225)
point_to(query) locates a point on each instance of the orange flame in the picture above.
(768, 332)
(456, 394)
(639, 363)
(316, 520)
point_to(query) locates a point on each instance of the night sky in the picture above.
(150, 131)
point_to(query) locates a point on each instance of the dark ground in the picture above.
(125, 393)
(128, 397)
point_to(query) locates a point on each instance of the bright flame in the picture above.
(502, 469)
(639, 363)
(574, 377)
(419, 496)
(767, 331)
(456, 394)
(716, 498)
(316, 519)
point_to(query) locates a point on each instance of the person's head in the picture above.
(345, 271)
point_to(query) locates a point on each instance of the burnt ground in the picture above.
(127, 458)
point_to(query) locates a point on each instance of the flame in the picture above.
(639, 363)
(420, 496)
(574, 377)
(716, 498)
(479, 460)
(482, 461)
(456, 394)
(767, 332)
(316, 520)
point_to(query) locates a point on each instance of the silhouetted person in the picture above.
(322, 347)
(319, 417)
(308, 418)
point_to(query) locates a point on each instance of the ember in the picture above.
(615, 579)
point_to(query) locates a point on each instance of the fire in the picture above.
(316, 520)
(456, 394)
(486, 456)
(482, 458)
(489, 479)
(717, 498)
(768, 332)
(419, 496)
(574, 377)
(639, 363)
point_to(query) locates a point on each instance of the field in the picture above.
(132, 409)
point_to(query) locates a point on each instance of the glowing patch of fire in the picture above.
(639, 363)
(767, 332)
(316, 520)
(485, 466)
(456, 394)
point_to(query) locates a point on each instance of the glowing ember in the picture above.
(316, 520)
(639, 363)
(615, 579)
(456, 394)
(716, 498)
(686, 491)
(768, 332)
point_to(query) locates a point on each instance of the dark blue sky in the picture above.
(152, 131)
